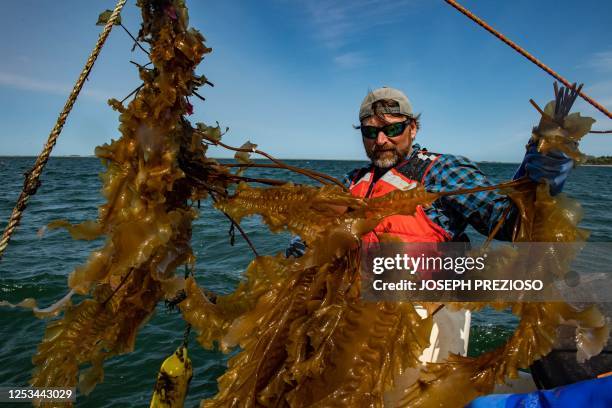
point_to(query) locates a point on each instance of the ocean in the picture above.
(36, 266)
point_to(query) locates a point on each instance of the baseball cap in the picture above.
(404, 107)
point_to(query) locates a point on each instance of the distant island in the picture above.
(599, 161)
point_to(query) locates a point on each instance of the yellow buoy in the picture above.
(172, 380)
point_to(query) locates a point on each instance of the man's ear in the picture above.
(413, 130)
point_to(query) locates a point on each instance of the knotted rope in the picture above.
(32, 176)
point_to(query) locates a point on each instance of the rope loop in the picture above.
(32, 180)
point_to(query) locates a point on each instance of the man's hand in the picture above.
(296, 248)
(553, 167)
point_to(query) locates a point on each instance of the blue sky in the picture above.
(290, 75)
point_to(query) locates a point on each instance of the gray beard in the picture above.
(387, 161)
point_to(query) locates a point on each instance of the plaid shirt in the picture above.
(453, 213)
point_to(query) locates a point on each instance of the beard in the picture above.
(387, 157)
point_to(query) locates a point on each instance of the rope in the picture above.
(525, 54)
(32, 177)
(188, 271)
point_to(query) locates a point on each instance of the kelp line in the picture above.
(306, 337)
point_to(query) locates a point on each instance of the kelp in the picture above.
(314, 342)
(344, 343)
(306, 337)
(328, 217)
(146, 218)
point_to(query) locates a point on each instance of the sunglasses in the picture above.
(392, 130)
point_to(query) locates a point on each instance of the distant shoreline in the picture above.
(231, 158)
(262, 159)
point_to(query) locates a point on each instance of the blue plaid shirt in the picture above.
(481, 210)
(453, 213)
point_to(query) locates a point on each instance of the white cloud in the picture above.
(349, 60)
(599, 87)
(600, 61)
(16, 81)
(336, 23)
(339, 25)
(602, 91)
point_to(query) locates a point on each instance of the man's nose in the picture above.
(381, 138)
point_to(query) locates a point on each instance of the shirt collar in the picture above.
(415, 150)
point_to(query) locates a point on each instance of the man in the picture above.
(388, 129)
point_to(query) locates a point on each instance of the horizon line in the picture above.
(74, 156)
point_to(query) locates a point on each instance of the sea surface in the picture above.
(37, 266)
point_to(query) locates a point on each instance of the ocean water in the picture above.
(37, 267)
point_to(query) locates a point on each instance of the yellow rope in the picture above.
(32, 182)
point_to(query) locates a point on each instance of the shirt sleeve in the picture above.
(481, 210)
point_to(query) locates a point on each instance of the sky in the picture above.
(290, 75)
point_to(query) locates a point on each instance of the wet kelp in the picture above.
(306, 337)
(310, 341)
(146, 218)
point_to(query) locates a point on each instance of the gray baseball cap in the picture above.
(404, 108)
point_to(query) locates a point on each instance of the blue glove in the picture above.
(296, 248)
(595, 393)
(553, 167)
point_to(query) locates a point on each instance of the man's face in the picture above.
(384, 151)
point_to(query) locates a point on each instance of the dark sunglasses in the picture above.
(392, 130)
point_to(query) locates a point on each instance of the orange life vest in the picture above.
(409, 228)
